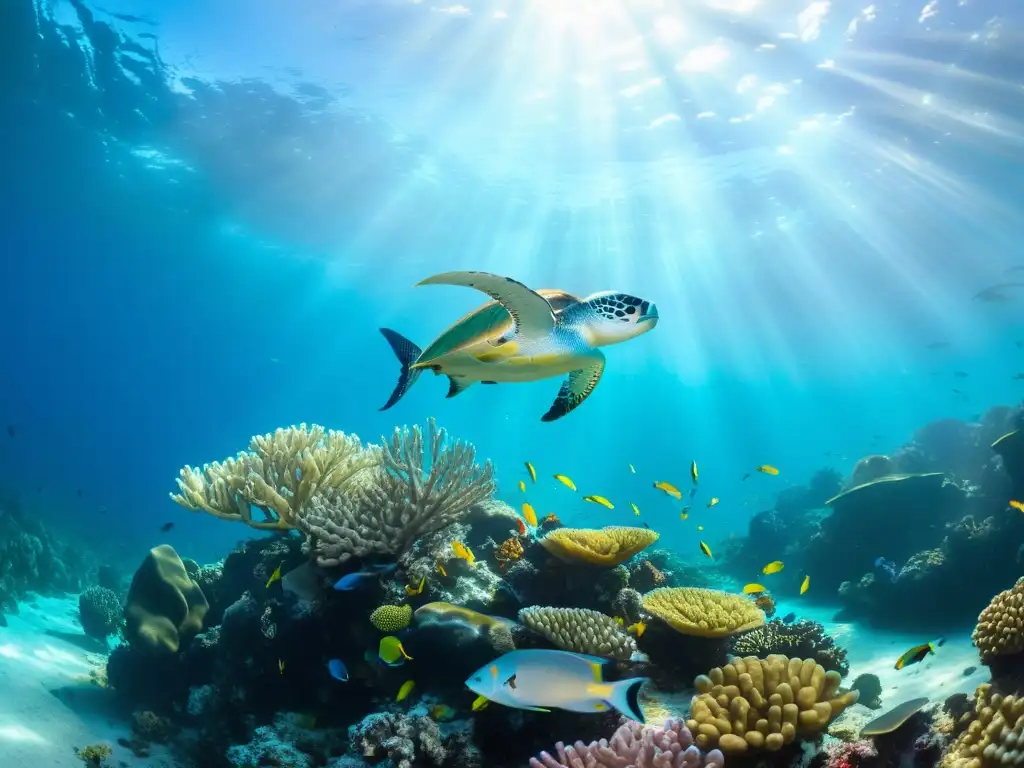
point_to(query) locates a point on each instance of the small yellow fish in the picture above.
(693, 472)
(418, 589)
(532, 471)
(705, 549)
(713, 502)
(637, 629)
(684, 515)
(632, 469)
(752, 588)
(566, 481)
(768, 469)
(480, 702)
(636, 509)
(529, 515)
(405, 690)
(392, 652)
(700, 527)
(522, 486)
(1018, 505)
(441, 570)
(280, 666)
(773, 567)
(275, 576)
(619, 620)
(599, 500)
(805, 585)
(441, 712)
(463, 552)
(668, 488)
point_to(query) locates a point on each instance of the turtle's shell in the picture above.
(485, 322)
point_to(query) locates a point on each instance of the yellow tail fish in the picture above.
(522, 486)
(706, 549)
(636, 509)
(694, 475)
(529, 515)
(805, 585)
(566, 481)
(668, 488)
(773, 567)
(768, 469)
(599, 500)
(751, 589)
(532, 471)
(713, 502)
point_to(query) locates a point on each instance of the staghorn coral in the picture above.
(278, 475)
(633, 744)
(1000, 629)
(580, 630)
(703, 612)
(392, 618)
(994, 734)
(803, 639)
(605, 547)
(753, 704)
(414, 492)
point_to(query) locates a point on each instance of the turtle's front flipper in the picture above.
(575, 389)
(531, 314)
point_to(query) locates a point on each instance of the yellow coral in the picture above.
(607, 546)
(752, 704)
(703, 612)
(95, 755)
(994, 735)
(510, 550)
(1000, 629)
(278, 474)
(392, 618)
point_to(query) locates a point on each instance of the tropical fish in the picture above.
(632, 469)
(355, 580)
(441, 570)
(767, 469)
(405, 690)
(694, 475)
(752, 588)
(684, 515)
(442, 613)
(280, 666)
(805, 584)
(700, 527)
(566, 481)
(636, 509)
(713, 502)
(637, 629)
(275, 576)
(464, 553)
(529, 515)
(301, 582)
(918, 653)
(532, 472)
(1018, 505)
(668, 488)
(441, 712)
(599, 500)
(547, 679)
(706, 550)
(773, 567)
(418, 589)
(338, 670)
(480, 702)
(522, 486)
(520, 527)
(789, 618)
(392, 652)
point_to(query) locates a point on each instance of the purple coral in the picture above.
(635, 746)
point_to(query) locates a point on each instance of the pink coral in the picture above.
(849, 754)
(635, 746)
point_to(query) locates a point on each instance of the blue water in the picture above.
(207, 209)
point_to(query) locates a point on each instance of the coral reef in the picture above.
(752, 704)
(580, 630)
(668, 746)
(406, 741)
(606, 547)
(803, 639)
(703, 612)
(994, 735)
(100, 612)
(164, 606)
(391, 618)
(869, 688)
(1000, 628)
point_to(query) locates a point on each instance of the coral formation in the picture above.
(603, 547)
(94, 755)
(803, 639)
(1000, 628)
(668, 746)
(391, 618)
(580, 630)
(407, 741)
(417, 489)
(703, 612)
(99, 611)
(994, 735)
(164, 606)
(752, 704)
(1010, 448)
(869, 688)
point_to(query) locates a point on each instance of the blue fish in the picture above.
(789, 618)
(338, 670)
(356, 579)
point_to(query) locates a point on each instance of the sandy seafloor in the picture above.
(50, 704)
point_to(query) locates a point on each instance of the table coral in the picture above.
(703, 612)
(668, 746)
(605, 547)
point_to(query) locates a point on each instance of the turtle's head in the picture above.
(616, 317)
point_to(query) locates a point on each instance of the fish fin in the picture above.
(488, 382)
(532, 316)
(407, 354)
(575, 389)
(456, 385)
(625, 697)
(535, 709)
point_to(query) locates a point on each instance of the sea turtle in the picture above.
(524, 335)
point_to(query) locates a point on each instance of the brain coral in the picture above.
(703, 612)
(580, 630)
(1000, 629)
(752, 704)
(391, 618)
(994, 735)
(607, 546)
(100, 612)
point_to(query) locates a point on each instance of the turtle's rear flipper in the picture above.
(407, 354)
(575, 389)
